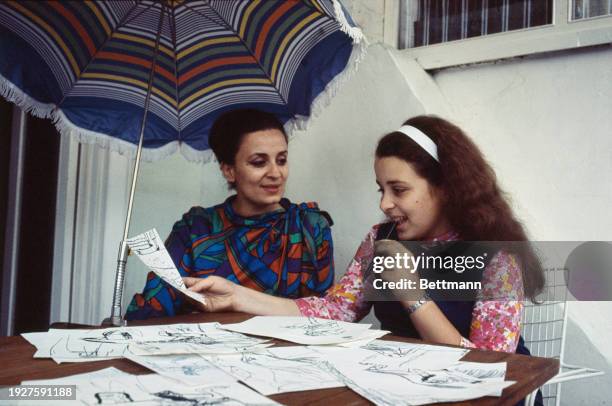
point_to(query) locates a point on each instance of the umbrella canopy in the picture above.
(86, 64)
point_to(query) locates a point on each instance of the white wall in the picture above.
(544, 123)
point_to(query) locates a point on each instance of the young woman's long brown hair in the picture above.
(473, 202)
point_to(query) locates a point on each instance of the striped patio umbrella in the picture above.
(146, 77)
(87, 65)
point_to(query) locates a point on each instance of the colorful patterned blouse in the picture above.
(287, 252)
(495, 324)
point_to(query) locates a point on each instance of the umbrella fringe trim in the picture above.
(67, 128)
(194, 155)
(323, 100)
(354, 32)
(15, 95)
(125, 148)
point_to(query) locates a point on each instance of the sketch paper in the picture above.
(190, 369)
(402, 355)
(72, 346)
(203, 338)
(302, 330)
(492, 372)
(117, 342)
(411, 355)
(382, 379)
(367, 337)
(110, 372)
(278, 370)
(154, 390)
(150, 249)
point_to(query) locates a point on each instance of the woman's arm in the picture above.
(495, 323)
(344, 301)
(223, 295)
(429, 321)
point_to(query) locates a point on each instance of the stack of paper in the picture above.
(279, 370)
(112, 386)
(204, 362)
(391, 373)
(118, 342)
(306, 330)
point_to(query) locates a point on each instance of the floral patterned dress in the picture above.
(495, 324)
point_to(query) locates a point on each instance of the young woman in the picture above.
(435, 186)
(256, 238)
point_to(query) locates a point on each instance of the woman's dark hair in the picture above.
(473, 203)
(230, 128)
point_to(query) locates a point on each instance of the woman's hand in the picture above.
(389, 248)
(220, 294)
(401, 271)
(403, 266)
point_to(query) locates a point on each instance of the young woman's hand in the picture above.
(220, 294)
(389, 248)
(401, 271)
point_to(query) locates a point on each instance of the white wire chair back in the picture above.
(544, 325)
(543, 328)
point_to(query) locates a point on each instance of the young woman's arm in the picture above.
(223, 295)
(495, 323)
(344, 301)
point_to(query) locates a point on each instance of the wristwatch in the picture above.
(417, 305)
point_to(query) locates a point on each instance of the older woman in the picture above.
(256, 238)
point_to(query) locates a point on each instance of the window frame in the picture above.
(562, 34)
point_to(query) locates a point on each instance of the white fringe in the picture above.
(68, 128)
(65, 127)
(353, 32)
(194, 155)
(301, 123)
(15, 95)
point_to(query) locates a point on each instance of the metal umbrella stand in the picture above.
(115, 318)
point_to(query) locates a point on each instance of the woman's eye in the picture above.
(258, 164)
(379, 190)
(399, 191)
(281, 161)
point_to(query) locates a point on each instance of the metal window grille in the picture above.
(583, 9)
(428, 22)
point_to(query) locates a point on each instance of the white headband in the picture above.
(420, 138)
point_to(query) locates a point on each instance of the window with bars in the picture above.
(582, 9)
(428, 22)
(474, 31)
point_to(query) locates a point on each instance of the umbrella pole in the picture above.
(116, 319)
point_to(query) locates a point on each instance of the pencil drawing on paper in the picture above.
(314, 327)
